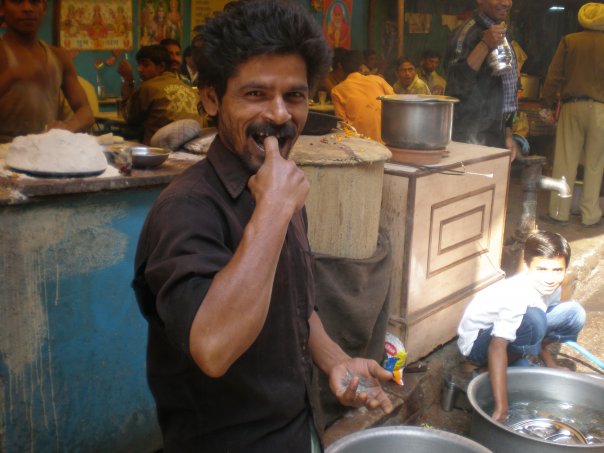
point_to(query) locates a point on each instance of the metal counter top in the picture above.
(19, 189)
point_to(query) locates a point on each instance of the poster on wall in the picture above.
(202, 10)
(418, 22)
(337, 22)
(159, 19)
(93, 25)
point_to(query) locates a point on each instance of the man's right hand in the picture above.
(279, 182)
(494, 36)
(125, 70)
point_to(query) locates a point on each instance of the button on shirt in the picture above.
(502, 306)
(191, 233)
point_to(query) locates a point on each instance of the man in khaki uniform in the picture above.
(577, 74)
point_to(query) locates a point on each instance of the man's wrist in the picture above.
(486, 45)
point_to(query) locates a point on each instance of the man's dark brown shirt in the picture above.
(191, 233)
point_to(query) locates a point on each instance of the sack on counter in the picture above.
(176, 134)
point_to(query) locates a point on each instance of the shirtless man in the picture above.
(32, 76)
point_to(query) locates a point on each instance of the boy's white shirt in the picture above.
(501, 305)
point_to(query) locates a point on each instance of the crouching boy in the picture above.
(521, 315)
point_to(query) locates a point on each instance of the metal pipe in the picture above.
(532, 181)
(559, 185)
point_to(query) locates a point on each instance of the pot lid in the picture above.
(417, 98)
(337, 149)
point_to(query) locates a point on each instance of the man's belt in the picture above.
(579, 99)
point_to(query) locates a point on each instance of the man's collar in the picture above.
(486, 20)
(229, 167)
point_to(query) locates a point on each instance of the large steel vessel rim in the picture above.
(569, 375)
(425, 99)
(406, 432)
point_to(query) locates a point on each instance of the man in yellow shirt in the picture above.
(408, 81)
(427, 72)
(355, 99)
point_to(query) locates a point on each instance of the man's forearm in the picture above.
(498, 362)
(82, 119)
(235, 307)
(478, 54)
(324, 351)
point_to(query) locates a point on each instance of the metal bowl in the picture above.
(532, 384)
(148, 157)
(405, 439)
(551, 431)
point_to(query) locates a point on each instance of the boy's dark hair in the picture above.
(352, 61)
(368, 52)
(546, 244)
(338, 56)
(401, 60)
(157, 53)
(187, 52)
(429, 53)
(169, 41)
(250, 28)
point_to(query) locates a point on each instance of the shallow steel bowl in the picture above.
(148, 157)
(397, 439)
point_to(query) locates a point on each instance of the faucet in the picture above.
(559, 185)
(532, 180)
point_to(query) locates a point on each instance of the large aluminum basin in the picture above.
(532, 384)
(401, 439)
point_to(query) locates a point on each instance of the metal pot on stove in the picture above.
(414, 121)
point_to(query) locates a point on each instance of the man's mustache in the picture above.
(286, 130)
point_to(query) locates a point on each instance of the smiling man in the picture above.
(35, 78)
(520, 316)
(223, 267)
(487, 103)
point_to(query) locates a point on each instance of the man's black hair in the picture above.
(352, 61)
(401, 60)
(157, 53)
(339, 53)
(546, 244)
(169, 41)
(429, 53)
(250, 28)
(368, 52)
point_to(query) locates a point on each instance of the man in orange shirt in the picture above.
(355, 99)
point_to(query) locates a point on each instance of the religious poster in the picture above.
(94, 25)
(418, 22)
(337, 22)
(202, 10)
(159, 19)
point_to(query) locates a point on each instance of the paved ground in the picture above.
(419, 401)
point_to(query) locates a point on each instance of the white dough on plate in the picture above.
(56, 151)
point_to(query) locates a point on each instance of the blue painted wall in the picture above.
(72, 340)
